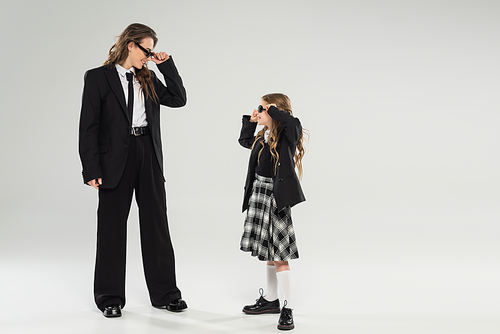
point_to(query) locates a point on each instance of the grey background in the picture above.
(401, 172)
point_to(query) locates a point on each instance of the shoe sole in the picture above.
(176, 310)
(286, 328)
(271, 311)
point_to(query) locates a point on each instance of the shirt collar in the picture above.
(122, 70)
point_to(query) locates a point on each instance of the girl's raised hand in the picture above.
(268, 105)
(253, 118)
(159, 57)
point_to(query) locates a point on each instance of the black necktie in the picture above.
(130, 103)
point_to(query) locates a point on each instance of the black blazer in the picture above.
(286, 186)
(105, 124)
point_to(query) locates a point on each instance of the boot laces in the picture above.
(261, 292)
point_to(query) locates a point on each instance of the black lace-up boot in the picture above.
(286, 318)
(263, 306)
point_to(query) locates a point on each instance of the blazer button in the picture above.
(126, 146)
(281, 179)
(279, 164)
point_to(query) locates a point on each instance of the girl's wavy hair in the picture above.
(135, 32)
(283, 103)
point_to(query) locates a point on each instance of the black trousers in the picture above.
(143, 175)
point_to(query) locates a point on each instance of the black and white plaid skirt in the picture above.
(268, 234)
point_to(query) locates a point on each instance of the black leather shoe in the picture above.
(112, 311)
(177, 305)
(286, 319)
(263, 306)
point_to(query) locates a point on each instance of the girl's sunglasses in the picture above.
(146, 52)
(260, 109)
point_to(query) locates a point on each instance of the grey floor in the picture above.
(55, 296)
(409, 272)
(347, 280)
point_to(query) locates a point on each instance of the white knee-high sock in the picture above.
(284, 284)
(272, 284)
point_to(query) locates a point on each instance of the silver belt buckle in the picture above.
(134, 131)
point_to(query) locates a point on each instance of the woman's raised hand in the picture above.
(159, 57)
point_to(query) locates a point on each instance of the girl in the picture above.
(272, 188)
(120, 150)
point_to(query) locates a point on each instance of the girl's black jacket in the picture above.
(287, 190)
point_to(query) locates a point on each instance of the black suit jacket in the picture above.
(105, 124)
(286, 185)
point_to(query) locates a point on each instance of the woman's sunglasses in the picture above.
(146, 52)
(260, 109)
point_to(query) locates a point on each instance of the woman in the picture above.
(120, 151)
(272, 188)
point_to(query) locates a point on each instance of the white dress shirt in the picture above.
(139, 110)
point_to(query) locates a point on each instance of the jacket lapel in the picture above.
(254, 155)
(117, 88)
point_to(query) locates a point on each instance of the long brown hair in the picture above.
(283, 103)
(135, 32)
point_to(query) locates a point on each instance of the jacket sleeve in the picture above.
(247, 136)
(291, 125)
(173, 94)
(89, 129)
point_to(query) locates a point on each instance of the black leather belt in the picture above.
(139, 130)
